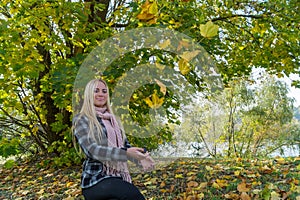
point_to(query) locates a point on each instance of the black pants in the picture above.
(112, 189)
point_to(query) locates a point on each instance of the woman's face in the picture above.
(100, 95)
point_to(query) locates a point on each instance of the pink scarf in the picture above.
(115, 139)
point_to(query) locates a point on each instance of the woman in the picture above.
(105, 171)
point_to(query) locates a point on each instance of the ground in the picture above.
(274, 179)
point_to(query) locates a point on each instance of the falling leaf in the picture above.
(165, 44)
(184, 66)
(153, 9)
(280, 160)
(162, 86)
(148, 12)
(209, 29)
(189, 55)
(242, 47)
(160, 66)
(154, 102)
(183, 43)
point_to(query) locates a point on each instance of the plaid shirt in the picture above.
(93, 169)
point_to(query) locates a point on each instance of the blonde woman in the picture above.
(105, 172)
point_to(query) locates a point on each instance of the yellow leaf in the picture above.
(237, 173)
(280, 160)
(160, 66)
(222, 183)
(216, 185)
(242, 187)
(69, 108)
(144, 16)
(69, 184)
(189, 55)
(153, 9)
(165, 44)
(184, 66)
(148, 12)
(275, 196)
(192, 184)
(163, 184)
(208, 168)
(202, 185)
(232, 196)
(155, 101)
(191, 173)
(242, 47)
(145, 6)
(42, 191)
(149, 102)
(245, 196)
(148, 182)
(152, 21)
(162, 86)
(179, 176)
(35, 129)
(183, 43)
(209, 29)
(200, 196)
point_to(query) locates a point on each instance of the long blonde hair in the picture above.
(88, 111)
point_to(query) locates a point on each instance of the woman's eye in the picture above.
(104, 91)
(96, 90)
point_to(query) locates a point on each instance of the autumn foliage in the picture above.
(183, 179)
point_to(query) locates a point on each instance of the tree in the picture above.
(244, 120)
(43, 43)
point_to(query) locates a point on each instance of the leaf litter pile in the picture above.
(273, 179)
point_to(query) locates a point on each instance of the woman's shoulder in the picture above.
(79, 116)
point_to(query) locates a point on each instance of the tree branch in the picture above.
(238, 15)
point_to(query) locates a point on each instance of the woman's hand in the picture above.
(136, 153)
(148, 163)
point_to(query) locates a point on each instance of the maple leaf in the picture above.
(209, 29)
(242, 187)
(184, 66)
(149, 12)
(245, 196)
(154, 102)
(189, 55)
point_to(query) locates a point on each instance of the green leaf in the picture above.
(209, 29)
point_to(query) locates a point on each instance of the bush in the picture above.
(9, 147)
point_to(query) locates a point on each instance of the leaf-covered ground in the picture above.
(182, 179)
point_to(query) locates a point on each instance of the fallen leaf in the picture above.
(192, 184)
(245, 196)
(179, 176)
(242, 187)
